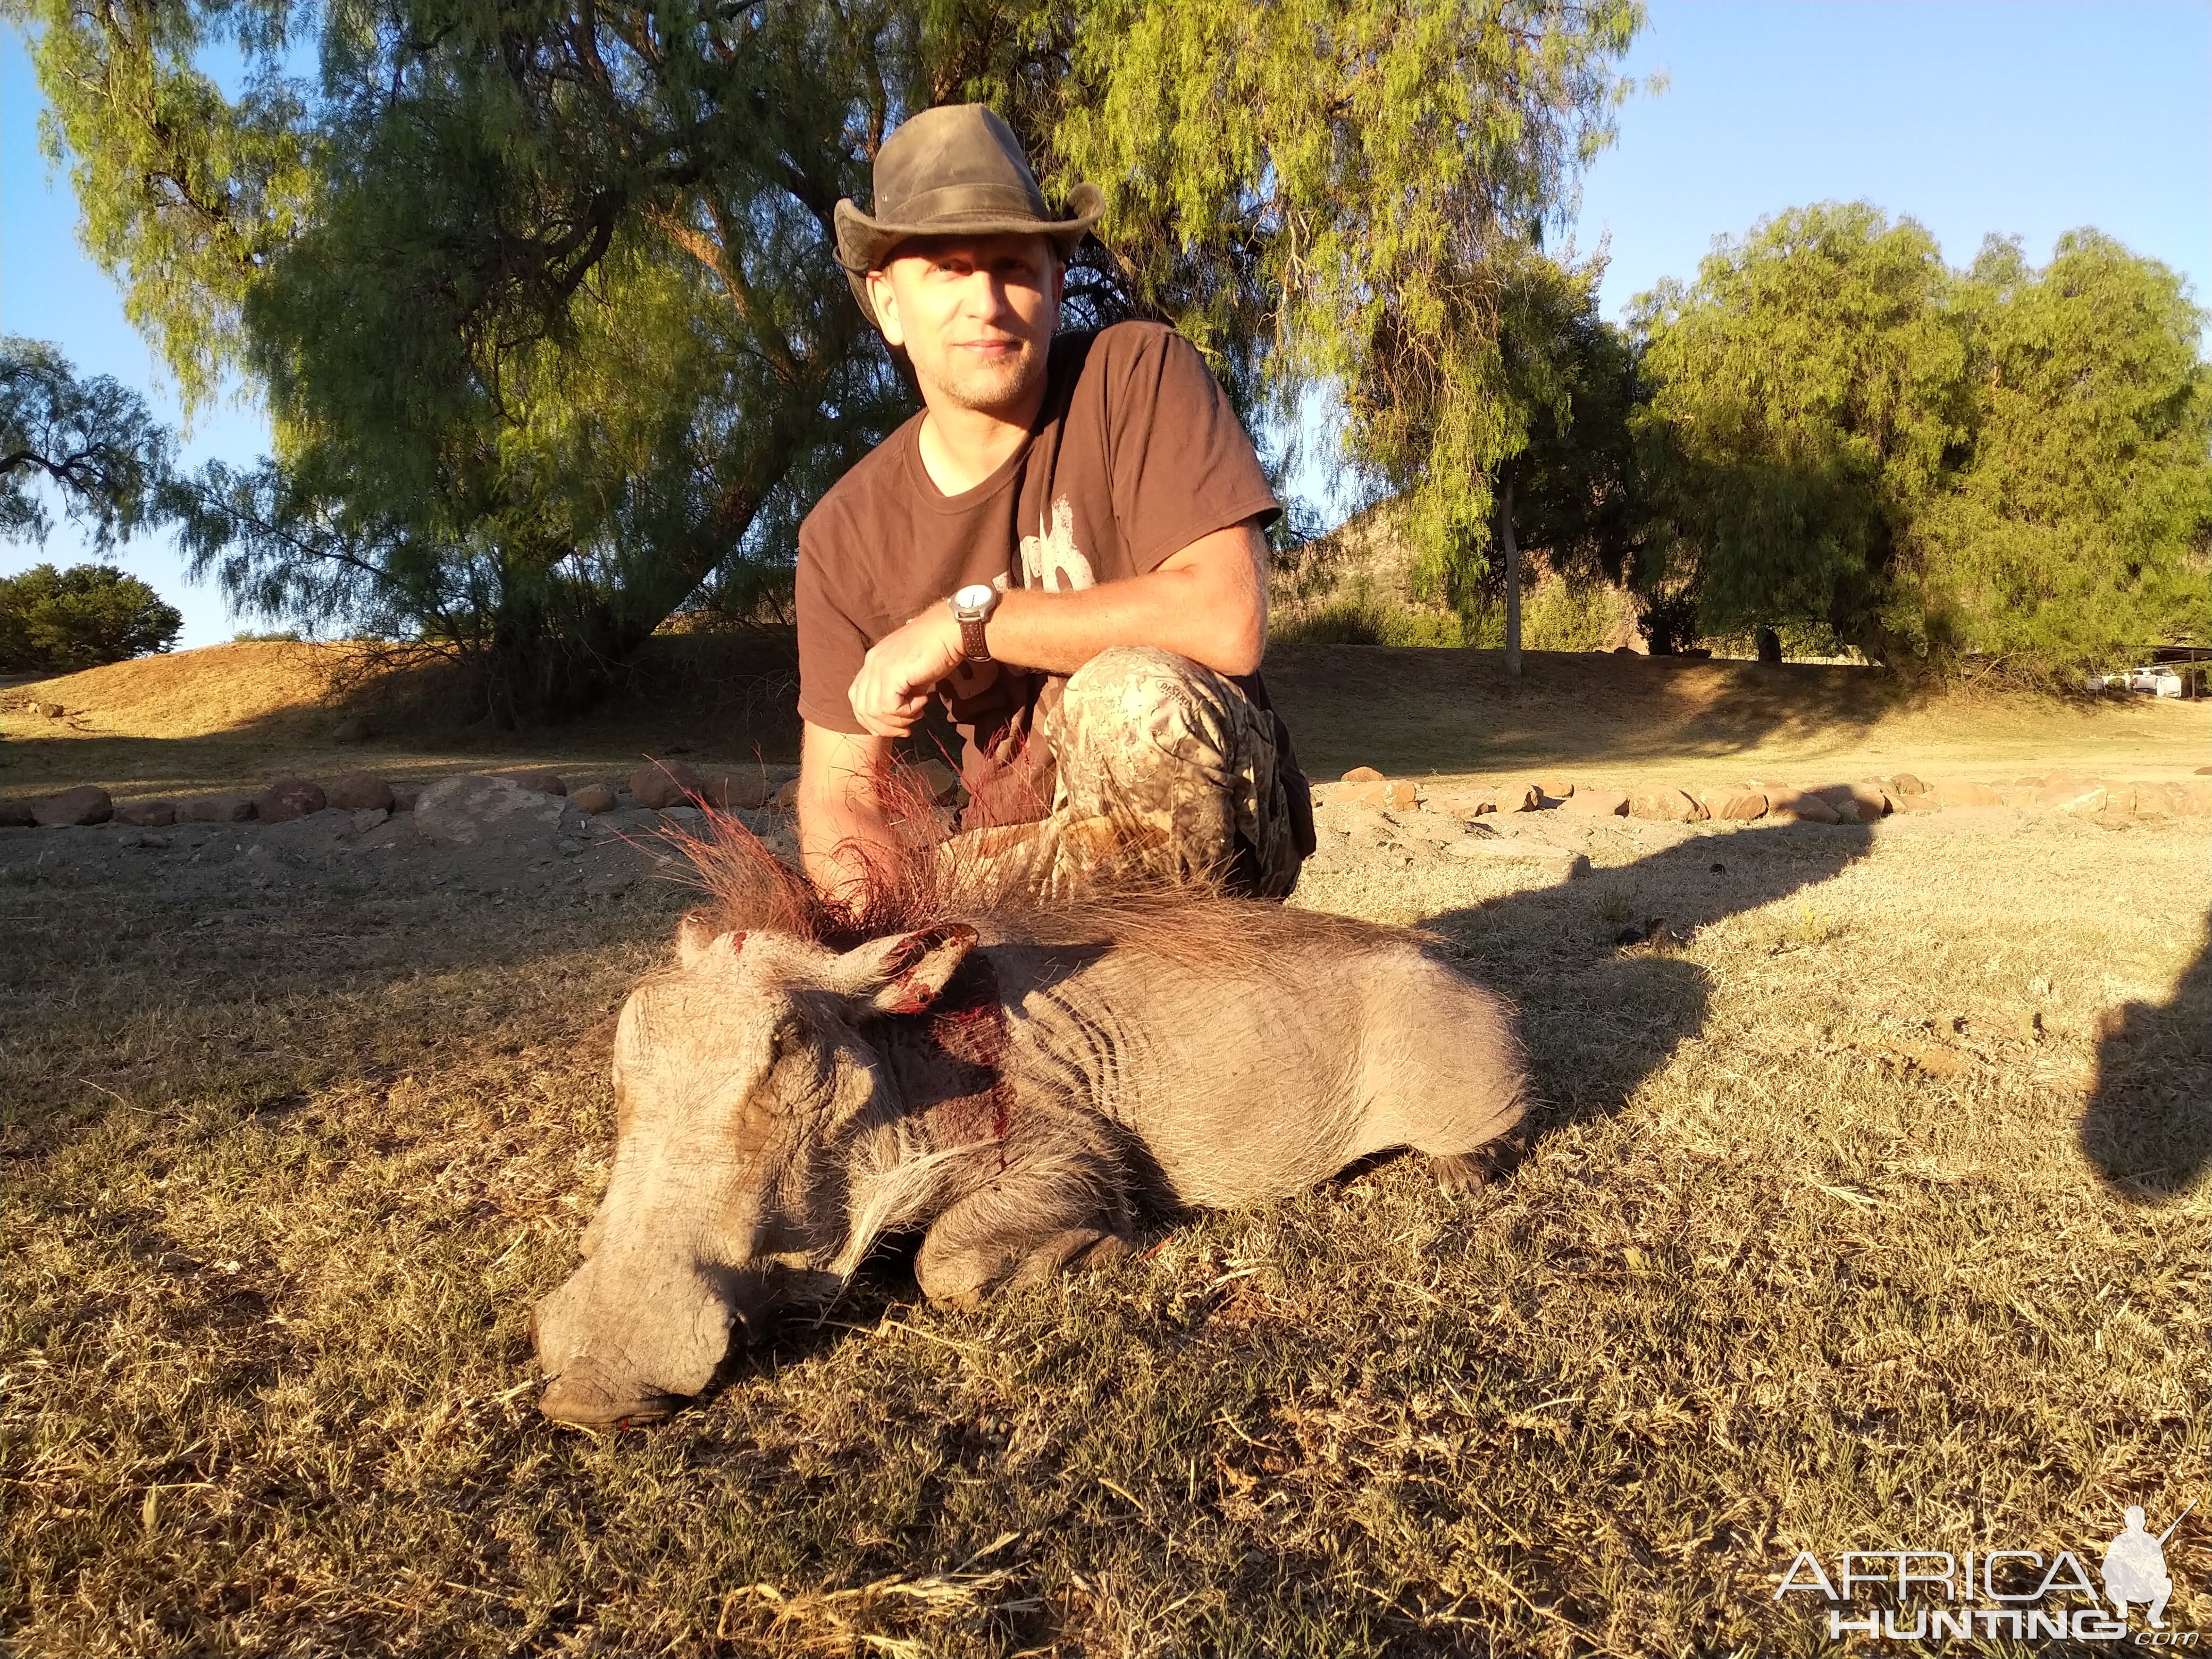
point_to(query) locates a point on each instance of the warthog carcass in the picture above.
(1018, 1082)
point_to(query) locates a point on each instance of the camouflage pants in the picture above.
(1167, 772)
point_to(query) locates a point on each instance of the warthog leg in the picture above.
(1020, 1230)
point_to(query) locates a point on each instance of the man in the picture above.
(1064, 546)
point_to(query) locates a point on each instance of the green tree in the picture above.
(1809, 400)
(1846, 438)
(1349, 192)
(2079, 530)
(1570, 487)
(59, 620)
(542, 299)
(91, 442)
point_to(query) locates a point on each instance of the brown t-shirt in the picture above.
(1135, 455)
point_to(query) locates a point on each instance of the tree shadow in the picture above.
(2148, 1131)
(1422, 709)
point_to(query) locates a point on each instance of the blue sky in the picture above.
(2028, 117)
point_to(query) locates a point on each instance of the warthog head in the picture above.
(743, 1080)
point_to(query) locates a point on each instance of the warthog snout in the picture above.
(617, 1346)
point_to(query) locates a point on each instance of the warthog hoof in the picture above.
(1466, 1172)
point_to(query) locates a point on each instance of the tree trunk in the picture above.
(1769, 645)
(1512, 573)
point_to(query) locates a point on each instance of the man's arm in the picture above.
(840, 812)
(1207, 602)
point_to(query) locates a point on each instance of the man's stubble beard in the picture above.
(985, 388)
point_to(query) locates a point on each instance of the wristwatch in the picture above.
(972, 607)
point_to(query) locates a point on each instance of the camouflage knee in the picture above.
(1184, 763)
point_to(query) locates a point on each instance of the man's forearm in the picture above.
(1208, 601)
(840, 827)
(1184, 611)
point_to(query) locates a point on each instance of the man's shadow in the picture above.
(2148, 1131)
(1602, 1009)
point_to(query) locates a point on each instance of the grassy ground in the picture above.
(235, 716)
(1868, 1210)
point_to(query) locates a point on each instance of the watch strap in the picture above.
(972, 644)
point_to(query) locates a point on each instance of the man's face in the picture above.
(976, 315)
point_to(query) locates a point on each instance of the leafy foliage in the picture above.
(1843, 435)
(1349, 193)
(2080, 527)
(1808, 397)
(92, 440)
(542, 296)
(59, 620)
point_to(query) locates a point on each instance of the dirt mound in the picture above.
(214, 690)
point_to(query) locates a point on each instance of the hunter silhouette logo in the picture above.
(1987, 1594)
(2135, 1568)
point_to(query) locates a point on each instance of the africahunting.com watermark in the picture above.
(1939, 1595)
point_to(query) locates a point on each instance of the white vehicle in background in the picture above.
(2177, 671)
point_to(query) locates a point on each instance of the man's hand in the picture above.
(894, 684)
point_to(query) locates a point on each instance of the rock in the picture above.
(1363, 775)
(352, 729)
(2068, 794)
(1668, 806)
(1520, 798)
(2154, 800)
(52, 711)
(290, 798)
(1868, 800)
(1597, 803)
(1919, 802)
(943, 782)
(367, 818)
(85, 804)
(404, 797)
(1556, 789)
(1797, 807)
(467, 810)
(15, 814)
(1463, 803)
(752, 787)
(1392, 794)
(360, 792)
(216, 809)
(786, 799)
(666, 783)
(147, 814)
(1736, 806)
(594, 798)
(545, 782)
(1906, 784)
(2196, 797)
(1956, 792)
(688, 819)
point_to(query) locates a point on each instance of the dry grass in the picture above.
(234, 717)
(1812, 1252)
(1868, 1209)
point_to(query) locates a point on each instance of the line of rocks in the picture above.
(2103, 801)
(659, 785)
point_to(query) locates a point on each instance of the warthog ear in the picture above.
(906, 972)
(694, 940)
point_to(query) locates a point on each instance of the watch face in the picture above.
(974, 597)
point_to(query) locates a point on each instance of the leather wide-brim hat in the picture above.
(957, 170)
